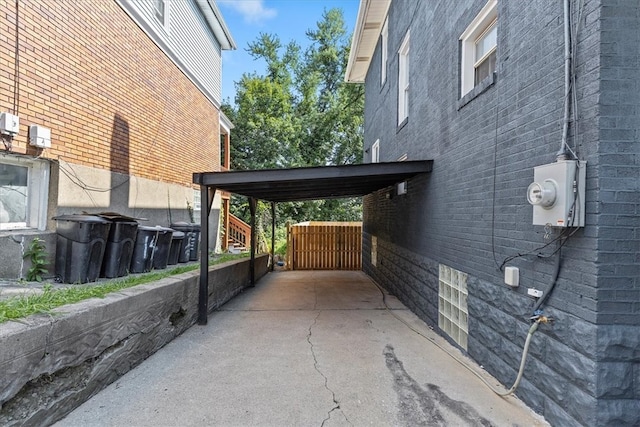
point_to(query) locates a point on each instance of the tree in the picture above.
(300, 112)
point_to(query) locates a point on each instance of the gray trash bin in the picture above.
(80, 247)
(151, 249)
(191, 243)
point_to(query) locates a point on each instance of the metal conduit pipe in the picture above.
(562, 153)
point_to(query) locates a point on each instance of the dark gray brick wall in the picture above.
(471, 212)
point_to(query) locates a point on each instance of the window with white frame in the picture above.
(403, 80)
(197, 205)
(160, 7)
(375, 152)
(479, 45)
(384, 37)
(24, 187)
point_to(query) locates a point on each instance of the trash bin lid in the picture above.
(177, 235)
(185, 226)
(156, 229)
(81, 218)
(82, 228)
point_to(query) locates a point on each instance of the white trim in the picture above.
(403, 78)
(37, 192)
(483, 21)
(384, 47)
(375, 152)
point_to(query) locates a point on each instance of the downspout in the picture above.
(562, 153)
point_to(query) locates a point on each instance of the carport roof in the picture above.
(313, 183)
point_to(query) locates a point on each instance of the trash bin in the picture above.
(151, 243)
(119, 250)
(80, 247)
(163, 246)
(177, 238)
(191, 242)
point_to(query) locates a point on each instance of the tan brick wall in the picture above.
(111, 97)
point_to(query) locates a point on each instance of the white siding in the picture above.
(187, 40)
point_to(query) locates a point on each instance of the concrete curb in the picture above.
(52, 364)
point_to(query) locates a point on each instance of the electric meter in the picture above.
(558, 194)
(543, 194)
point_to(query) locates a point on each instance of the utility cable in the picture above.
(525, 350)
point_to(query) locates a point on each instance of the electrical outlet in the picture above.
(534, 292)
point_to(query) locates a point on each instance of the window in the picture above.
(374, 251)
(479, 44)
(160, 7)
(453, 314)
(401, 188)
(384, 37)
(403, 80)
(24, 185)
(375, 152)
(197, 205)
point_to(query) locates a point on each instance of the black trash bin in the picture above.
(117, 255)
(177, 239)
(151, 249)
(80, 247)
(163, 246)
(191, 242)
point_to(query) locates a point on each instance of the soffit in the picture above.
(371, 16)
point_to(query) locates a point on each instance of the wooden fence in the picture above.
(324, 246)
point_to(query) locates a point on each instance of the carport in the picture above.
(288, 185)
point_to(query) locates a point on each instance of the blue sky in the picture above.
(289, 19)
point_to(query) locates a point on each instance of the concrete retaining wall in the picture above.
(50, 364)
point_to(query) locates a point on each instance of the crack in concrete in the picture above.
(326, 380)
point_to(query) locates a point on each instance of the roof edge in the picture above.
(214, 19)
(355, 74)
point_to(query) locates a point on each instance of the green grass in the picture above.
(50, 298)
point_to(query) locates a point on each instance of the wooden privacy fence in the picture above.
(324, 246)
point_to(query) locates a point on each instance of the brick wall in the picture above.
(111, 98)
(471, 212)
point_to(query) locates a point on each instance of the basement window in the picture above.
(24, 186)
(453, 314)
(197, 205)
(374, 251)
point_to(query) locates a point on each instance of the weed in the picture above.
(37, 254)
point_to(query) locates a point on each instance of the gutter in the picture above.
(216, 23)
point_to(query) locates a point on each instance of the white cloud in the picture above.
(253, 11)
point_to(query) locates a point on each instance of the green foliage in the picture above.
(301, 112)
(37, 254)
(50, 298)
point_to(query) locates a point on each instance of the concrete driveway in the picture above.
(316, 348)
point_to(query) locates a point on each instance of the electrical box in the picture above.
(512, 276)
(557, 194)
(40, 136)
(9, 124)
